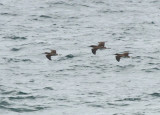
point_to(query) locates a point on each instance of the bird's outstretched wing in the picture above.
(94, 51)
(46, 53)
(102, 44)
(118, 58)
(53, 51)
(126, 54)
(92, 46)
(48, 56)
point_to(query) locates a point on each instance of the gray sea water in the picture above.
(78, 82)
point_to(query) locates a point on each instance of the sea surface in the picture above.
(76, 82)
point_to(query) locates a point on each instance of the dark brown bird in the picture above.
(52, 53)
(124, 55)
(100, 46)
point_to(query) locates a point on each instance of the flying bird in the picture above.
(124, 55)
(52, 53)
(100, 46)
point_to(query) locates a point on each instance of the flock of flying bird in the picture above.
(100, 46)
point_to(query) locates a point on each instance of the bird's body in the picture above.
(124, 55)
(52, 53)
(100, 46)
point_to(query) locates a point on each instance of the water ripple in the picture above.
(8, 14)
(96, 105)
(4, 103)
(20, 109)
(17, 60)
(115, 104)
(16, 38)
(15, 49)
(48, 88)
(130, 99)
(22, 93)
(69, 56)
(155, 94)
(26, 109)
(45, 16)
(21, 97)
(8, 92)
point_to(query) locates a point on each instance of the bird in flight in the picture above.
(52, 53)
(100, 46)
(124, 55)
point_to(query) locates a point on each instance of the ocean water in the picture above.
(78, 82)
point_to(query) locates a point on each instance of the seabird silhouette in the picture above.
(100, 46)
(52, 53)
(124, 55)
